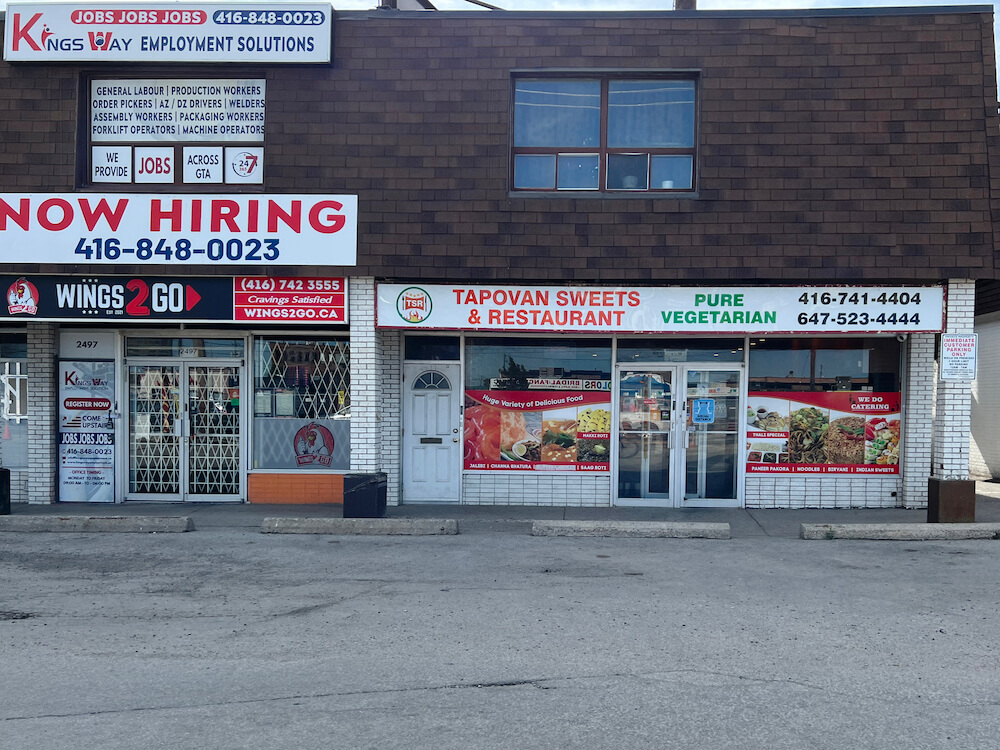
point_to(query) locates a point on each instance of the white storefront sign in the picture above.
(111, 164)
(958, 356)
(257, 230)
(737, 310)
(154, 164)
(203, 164)
(151, 110)
(272, 33)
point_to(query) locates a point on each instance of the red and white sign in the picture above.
(313, 446)
(283, 300)
(958, 356)
(536, 431)
(22, 298)
(729, 310)
(169, 32)
(260, 230)
(823, 433)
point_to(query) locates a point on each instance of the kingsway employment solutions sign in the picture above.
(169, 33)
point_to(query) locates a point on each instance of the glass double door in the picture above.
(677, 440)
(185, 439)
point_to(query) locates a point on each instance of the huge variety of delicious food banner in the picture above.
(537, 430)
(838, 432)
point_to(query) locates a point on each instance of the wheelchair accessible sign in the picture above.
(703, 411)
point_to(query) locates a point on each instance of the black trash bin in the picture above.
(364, 495)
(4, 492)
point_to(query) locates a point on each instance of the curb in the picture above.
(119, 524)
(910, 532)
(632, 529)
(361, 526)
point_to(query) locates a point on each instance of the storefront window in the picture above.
(302, 404)
(824, 364)
(649, 349)
(537, 404)
(433, 348)
(194, 348)
(14, 400)
(824, 406)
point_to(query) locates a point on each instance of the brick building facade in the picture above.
(808, 152)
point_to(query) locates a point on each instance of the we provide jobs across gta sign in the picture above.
(169, 32)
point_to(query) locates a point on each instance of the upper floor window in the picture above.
(607, 134)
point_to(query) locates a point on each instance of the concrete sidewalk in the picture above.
(473, 519)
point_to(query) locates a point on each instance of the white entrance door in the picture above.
(678, 442)
(432, 447)
(185, 439)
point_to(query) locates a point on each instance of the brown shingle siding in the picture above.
(833, 148)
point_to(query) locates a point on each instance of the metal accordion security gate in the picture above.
(185, 436)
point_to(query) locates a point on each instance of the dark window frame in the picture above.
(85, 144)
(603, 150)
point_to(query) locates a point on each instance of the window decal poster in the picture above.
(835, 432)
(86, 432)
(537, 431)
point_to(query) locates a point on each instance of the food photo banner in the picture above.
(130, 229)
(749, 310)
(823, 433)
(537, 431)
(169, 32)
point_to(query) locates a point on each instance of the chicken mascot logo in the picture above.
(22, 298)
(313, 445)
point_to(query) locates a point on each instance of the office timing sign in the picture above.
(169, 32)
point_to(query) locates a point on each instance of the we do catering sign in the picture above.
(737, 310)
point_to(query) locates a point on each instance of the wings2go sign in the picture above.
(169, 32)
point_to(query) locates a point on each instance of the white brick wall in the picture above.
(43, 342)
(391, 369)
(823, 492)
(366, 379)
(919, 393)
(577, 490)
(952, 423)
(984, 457)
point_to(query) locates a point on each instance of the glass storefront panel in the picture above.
(302, 404)
(186, 348)
(820, 364)
(821, 407)
(537, 404)
(651, 349)
(14, 400)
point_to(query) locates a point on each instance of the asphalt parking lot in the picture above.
(492, 638)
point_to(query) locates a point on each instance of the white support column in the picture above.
(953, 416)
(366, 379)
(43, 467)
(390, 367)
(918, 434)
